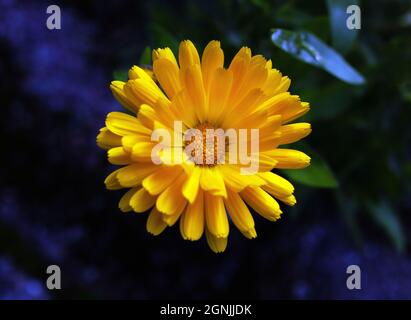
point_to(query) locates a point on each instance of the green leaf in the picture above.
(387, 219)
(308, 48)
(342, 37)
(317, 174)
(329, 102)
(121, 75)
(145, 58)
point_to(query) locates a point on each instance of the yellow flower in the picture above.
(203, 94)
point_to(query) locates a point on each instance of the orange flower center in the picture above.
(206, 147)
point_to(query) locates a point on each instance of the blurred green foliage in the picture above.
(362, 131)
(145, 58)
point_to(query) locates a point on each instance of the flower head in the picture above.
(225, 127)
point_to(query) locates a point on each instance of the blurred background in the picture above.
(353, 202)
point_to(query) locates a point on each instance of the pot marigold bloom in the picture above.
(203, 196)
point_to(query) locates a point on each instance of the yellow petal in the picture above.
(112, 182)
(107, 139)
(276, 104)
(165, 53)
(136, 72)
(238, 114)
(269, 143)
(236, 181)
(123, 124)
(171, 200)
(289, 159)
(288, 106)
(272, 82)
(212, 59)
(239, 213)
(192, 220)
(132, 175)
(254, 78)
(155, 224)
(253, 121)
(293, 132)
(212, 181)
(187, 55)
(239, 67)
(117, 88)
(289, 200)
(128, 142)
(158, 181)
(271, 125)
(294, 111)
(266, 163)
(218, 245)
(262, 202)
(148, 116)
(250, 234)
(276, 185)
(183, 109)
(165, 113)
(216, 217)
(170, 220)
(167, 74)
(171, 156)
(219, 92)
(142, 151)
(195, 90)
(118, 156)
(124, 203)
(283, 86)
(141, 201)
(144, 90)
(191, 185)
